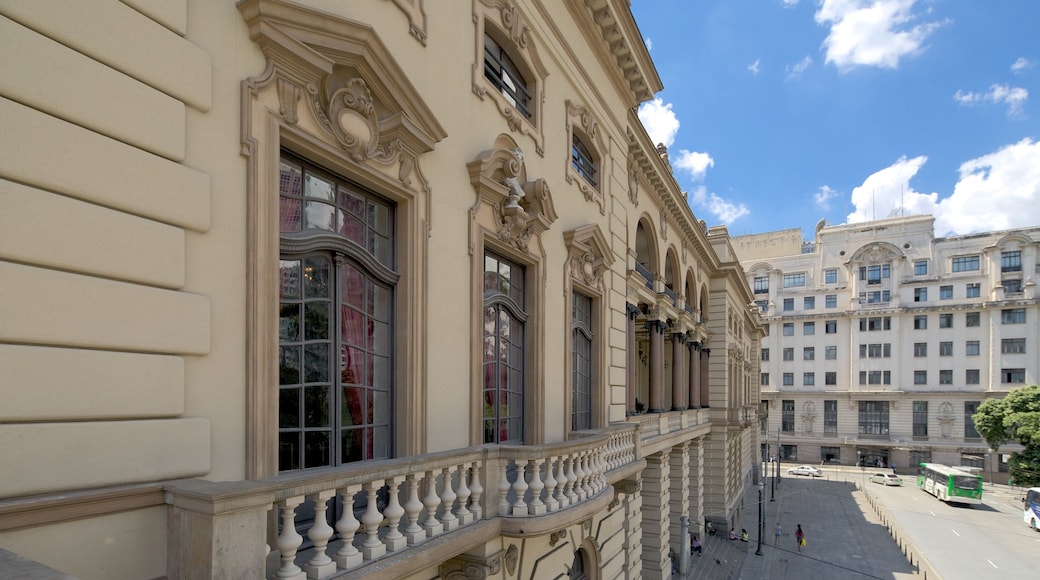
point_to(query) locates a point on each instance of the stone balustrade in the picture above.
(384, 507)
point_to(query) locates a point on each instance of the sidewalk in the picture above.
(844, 540)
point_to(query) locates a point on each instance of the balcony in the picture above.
(646, 274)
(447, 502)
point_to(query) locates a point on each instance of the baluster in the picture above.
(601, 472)
(587, 478)
(320, 564)
(572, 480)
(477, 491)
(579, 477)
(503, 491)
(550, 486)
(432, 501)
(448, 496)
(348, 556)
(413, 507)
(537, 506)
(561, 482)
(520, 489)
(393, 538)
(372, 548)
(462, 512)
(289, 541)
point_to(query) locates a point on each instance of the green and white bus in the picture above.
(950, 484)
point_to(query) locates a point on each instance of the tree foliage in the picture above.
(1016, 417)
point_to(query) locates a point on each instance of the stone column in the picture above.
(695, 457)
(656, 328)
(705, 391)
(679, 493)
(656, 516)
(678, 388)
(694, 374)
(631, 360)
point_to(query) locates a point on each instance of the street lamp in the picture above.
(761, 524)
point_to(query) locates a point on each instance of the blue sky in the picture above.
(779, 113)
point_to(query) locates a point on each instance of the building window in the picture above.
(787, 415)
(788, 329)
(830, 327)
(875, 323)
(504, 340)
(1012, 346)
(500, 71)
(973, 290)
(1011, 261)
(946, 320)
(875, 377)
(765, 354)
(788, 353)
(920, 419)
(794, 280)
(876, 350)
(945, 292)
(920, 267)
(808, 328)
(583, 161)
(873, 274)
(972, 460)
(1012, 376)
(971, 376)
(873, 418)
(875, 297)
(920, 349)
(946, 348)
(809, 353)
(830, 352)
(971, 319)
(830, 276)
(763, 306)
(970, 408)
(1012, 286)
(971, 348)
(830, 301)
(920, 321)
(921, 294)
(788, 379)
(335, 322)
(765, 379)
(761, 284)
(830, 378)
(808, 379)
(788, 304)
(920, 377)
(788, 453)
(946, 377)
(830, 454)
(830, 417)
(919, 457)
(965, 263)
(581, 395)
(1013, 316)
(808, 303)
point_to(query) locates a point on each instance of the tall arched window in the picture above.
(505, 317)
(581, 385)
(336, 324)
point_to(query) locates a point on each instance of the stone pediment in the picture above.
(876, 253)
(590, 254)
(356, 89)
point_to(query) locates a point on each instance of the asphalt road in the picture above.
(962, 541)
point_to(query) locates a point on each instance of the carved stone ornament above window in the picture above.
(522, 208)
(590, 255)
(416, 14)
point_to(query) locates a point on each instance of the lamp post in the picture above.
(761, 521)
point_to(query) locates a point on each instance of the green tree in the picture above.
(1015, 417)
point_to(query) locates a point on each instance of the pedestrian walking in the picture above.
(799, 538)
(777, 531)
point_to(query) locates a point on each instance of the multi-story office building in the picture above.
(883, 339)
(399, 289)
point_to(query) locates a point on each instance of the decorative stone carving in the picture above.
(416, 14)
(633, 181)
(590, 254)
(580, 118)
(288, 97)
(512, 558)
(465, 566)
(557, 536)
(664, 225)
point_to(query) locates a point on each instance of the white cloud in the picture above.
(753, 67)
(660, 121)
(724, 210)
(1000, 190)
(1020, 64)
(997, 191)
(696, 164)
(649, 44)
(798, 68)
(871, 32)
(789, 3)
(824, 196)
(1013, 97)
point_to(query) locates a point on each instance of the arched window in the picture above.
(500, 70)
(336, 293)
(505, 318)
(581, 386)
(583, 161)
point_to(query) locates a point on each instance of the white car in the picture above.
(886, 479)
(805, 470)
